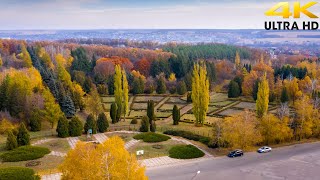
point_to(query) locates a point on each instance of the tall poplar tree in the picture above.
(125, 87)
(121, 91)
(262, 102)
(200, 93)
(118, 92)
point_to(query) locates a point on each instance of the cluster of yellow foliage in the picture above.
(109, 160)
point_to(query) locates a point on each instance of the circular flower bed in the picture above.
(33, 163)
(185, 152)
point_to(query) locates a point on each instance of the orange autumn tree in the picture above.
(109, 160)
(106, 66)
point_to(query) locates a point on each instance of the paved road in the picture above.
(298, 162)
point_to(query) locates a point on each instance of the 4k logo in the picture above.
(297, 10)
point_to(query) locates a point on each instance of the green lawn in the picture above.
(60, 145)
(147, 98)
(217, 97)
(139, 106)
(230, 112)
(151, 152)
(176, 100)
(126, 137)
(169, 107)
(48, 164)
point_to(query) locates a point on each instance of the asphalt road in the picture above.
(298, 162)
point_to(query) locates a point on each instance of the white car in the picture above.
(264, 149)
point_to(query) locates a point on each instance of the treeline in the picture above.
(208, 51)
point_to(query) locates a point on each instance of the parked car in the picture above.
(235, 153)
(264, 149)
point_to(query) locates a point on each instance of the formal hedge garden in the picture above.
(151, 137)
(185, 152)
(24, 153)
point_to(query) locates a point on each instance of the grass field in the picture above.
(176, 100)
(147, 98)
(246, 105)
(59, 144)
(108, 99)
(169, 107)
(126, 137)
(139, 106)
(218, 97)
(229, 112)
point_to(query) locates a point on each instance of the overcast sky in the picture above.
(135, 14)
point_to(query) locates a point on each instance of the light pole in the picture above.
(198, 172)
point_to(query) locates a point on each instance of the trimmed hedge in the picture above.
(24, 153)
(185, 152)
(18, 173)
(151, 137)
(189, 135)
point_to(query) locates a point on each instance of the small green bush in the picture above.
(151, 137)
(18, 173)
(134, 121)
(24, 153)
(185, 152)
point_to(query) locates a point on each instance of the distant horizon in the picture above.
(136, 14)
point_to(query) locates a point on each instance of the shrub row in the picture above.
(151, 137)
(185, 152)
(24, 153)
(188, 135)
(18, 173)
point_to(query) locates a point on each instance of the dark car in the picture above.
(235, 153)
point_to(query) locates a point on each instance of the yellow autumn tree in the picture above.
(262, 102)
(107, 161)
(240, 130)
(293, 89)
(172, 78)
(274, 130)
(304, 121)
(63, 74)
(200, 93)
(25, 56)
(93, 103)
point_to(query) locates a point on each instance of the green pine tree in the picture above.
(113, 112)
(175, 115)
(90, 124)
(63, 127)
(284, 95)
(102, 123)
(23, 137)
(144, 124)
